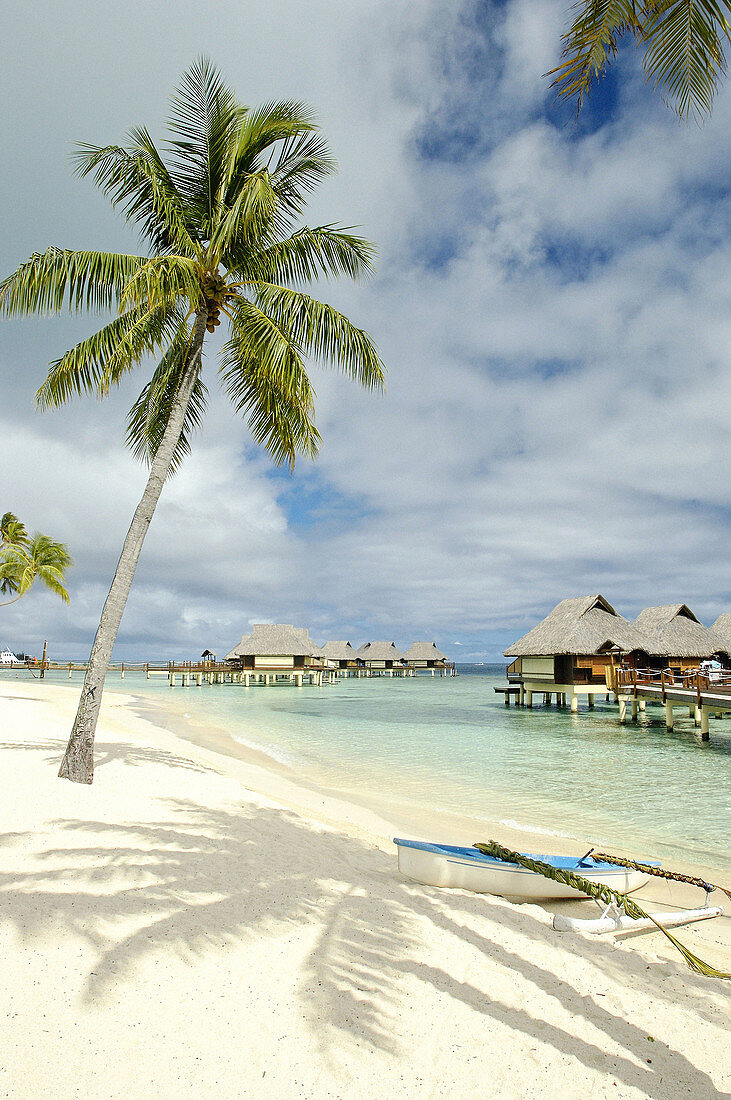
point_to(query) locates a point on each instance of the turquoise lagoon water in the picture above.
(450, 745)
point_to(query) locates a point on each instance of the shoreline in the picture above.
(213, 928)
(376, 818)
(407, 818)
(376, 821)
(421, 799)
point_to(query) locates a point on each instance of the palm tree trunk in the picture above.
(78, 762)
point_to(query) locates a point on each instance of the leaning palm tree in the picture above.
(683, 43)
(221, 221)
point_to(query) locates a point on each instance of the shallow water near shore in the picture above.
(450, 746)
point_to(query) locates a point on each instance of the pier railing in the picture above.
(40, 668)
(168, 668)
(693, 680)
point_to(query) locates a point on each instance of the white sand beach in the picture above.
(196, 925)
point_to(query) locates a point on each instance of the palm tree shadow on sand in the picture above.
(200, 879)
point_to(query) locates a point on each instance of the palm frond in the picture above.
(247, 220)
(685, 52)
(282, 139)
(172, 208)
(307, 255)
(162, 281)
(602, 893)
(264, 375)
(53, 580)
(49, 561)
(150, 413)
(683, 41)
(8, 585)
(13, 579)
(99, 361)
(302, 162)
(591, 43)
(260, 335)
(59, 278)
(267, 127)
(203, 120)
(136, 181)
(12, 531)
(323, 332)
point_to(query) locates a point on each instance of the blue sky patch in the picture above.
(311, 502)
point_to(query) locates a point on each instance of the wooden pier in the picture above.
(199, 674)
(192, 673)
(704, 694)
(187, 673)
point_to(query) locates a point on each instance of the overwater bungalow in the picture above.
(675, 638)
(425, 655)
(381, 656)
(573, 651)
(275, 646)
(341, 655)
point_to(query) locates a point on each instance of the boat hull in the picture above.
(467, 869)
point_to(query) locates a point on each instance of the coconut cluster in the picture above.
(214, 289)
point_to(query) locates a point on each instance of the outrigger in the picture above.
(614, 919)
(621, 912)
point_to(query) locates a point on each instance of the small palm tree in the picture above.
(221, 221)
(24, 560)
(683, 43)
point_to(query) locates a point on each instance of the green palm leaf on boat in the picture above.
(600, 892)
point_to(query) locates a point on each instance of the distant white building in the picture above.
(8, 658)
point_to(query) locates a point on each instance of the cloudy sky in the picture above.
(552, 304)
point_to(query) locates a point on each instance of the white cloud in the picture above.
(553, 305)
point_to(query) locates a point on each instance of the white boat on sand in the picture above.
(469, 869)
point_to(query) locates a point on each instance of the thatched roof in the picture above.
(303, 632)
(339, 651)
(583, 624)
(380, 651)
(424, 651)
(275, 640)
(674, 631)
(722, 629)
